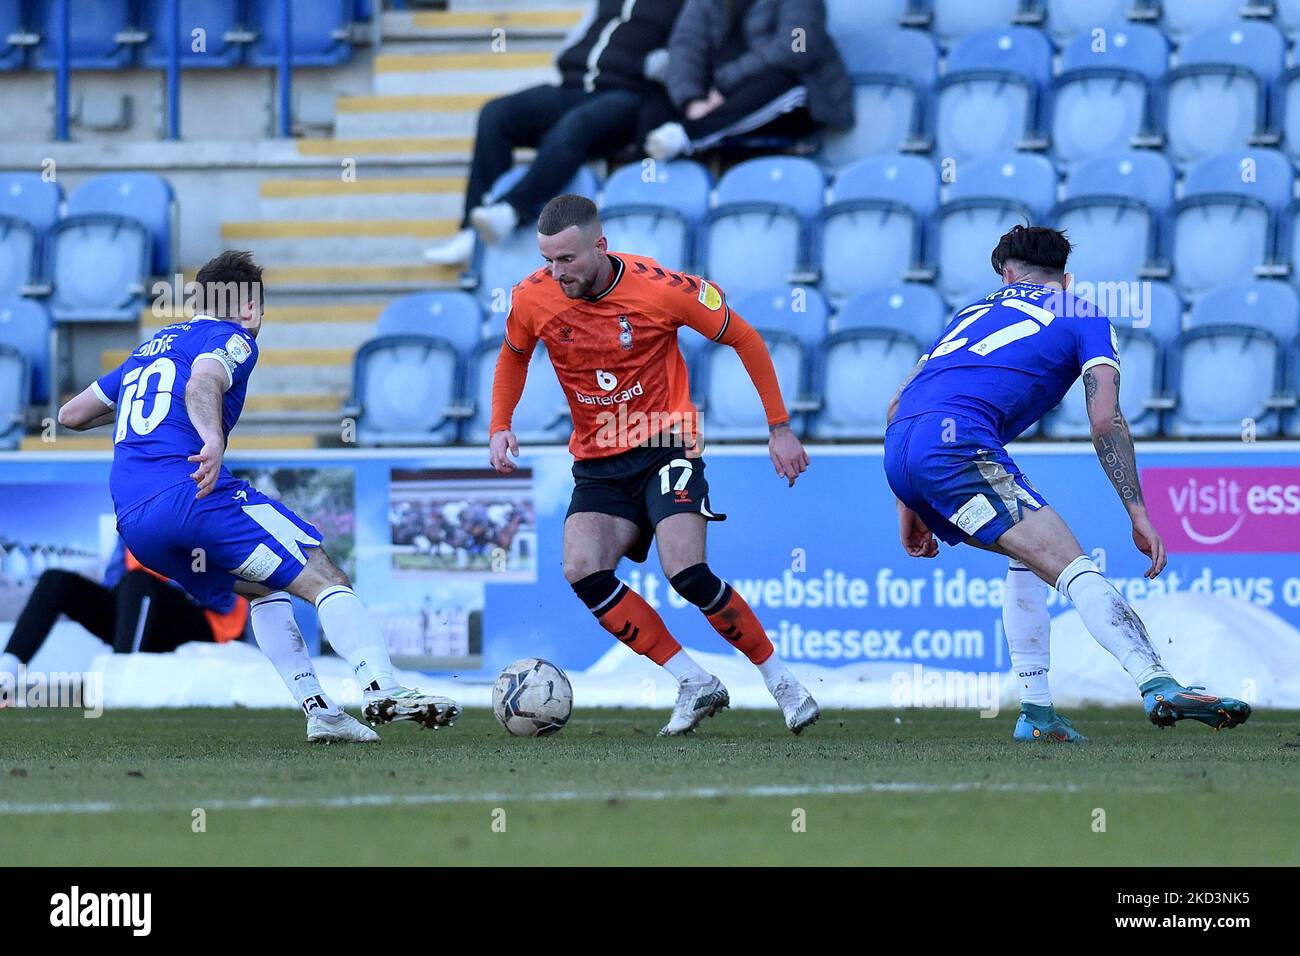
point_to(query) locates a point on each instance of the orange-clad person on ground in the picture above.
(609, 321)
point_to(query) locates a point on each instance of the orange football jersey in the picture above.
(616, 353)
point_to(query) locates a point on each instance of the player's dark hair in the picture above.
(565, 211)
(1038, 246)
(225, 283)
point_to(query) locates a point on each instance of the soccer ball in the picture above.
(532, 698)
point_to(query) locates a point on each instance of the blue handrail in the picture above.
(285, 71)
(173, 21)
(61, 72)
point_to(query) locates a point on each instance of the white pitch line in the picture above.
(555, 796)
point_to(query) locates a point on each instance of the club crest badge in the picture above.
(624, 332)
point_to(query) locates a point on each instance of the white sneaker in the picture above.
(667, 142)
(494, 222)
(456, 251)
(340, 728)
(405, 703)
(796, 703)
(695, 701)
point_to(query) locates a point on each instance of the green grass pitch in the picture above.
(909, 787)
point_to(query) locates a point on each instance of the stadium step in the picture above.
(398, 197)
(304, 241)
(552, 24)
(429, 149)
(446, 115)
(404, 74)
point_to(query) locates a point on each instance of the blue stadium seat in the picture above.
(94, 28)
(656, 218)
(500, 266)
(1181, 18)
(98, 265)
(871, 233)
(452, 316)
(14, 389)
(11, 24)
(854, 16)
(29, 197)
(1066, 19)
(987, 198)
(405, 389)
(1140, 392)
(20, 257)
(1222, 377)
(542, 415)
(1103, 96)
(1223, 228)
(854, 404)
(799, 311)
(730, 405)
(915, 309)
(1216, 98)
(25, 326)
(1153, 308)
(1285, 111)
(142, 197)
(1260, 304)
(988, 100)
(216, 18)
(953, 19)
(320, 34)
(757, 235)
(1287, 16)
(1112, 212)
(892, 73)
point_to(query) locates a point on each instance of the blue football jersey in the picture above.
(1008, 359)
(154, 436)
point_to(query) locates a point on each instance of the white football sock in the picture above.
(278, 636)
(1028, 628)
(774, 671)
(682, 666)
(1110, 620)
(355, 636)
(9, 664)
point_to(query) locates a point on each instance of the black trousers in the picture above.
(140, 614)
(754, 108)
(566, 124)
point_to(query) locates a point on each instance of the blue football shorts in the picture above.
(206, 545)
(955, 474)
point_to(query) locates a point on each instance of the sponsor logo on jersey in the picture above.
(974, 514)
(606, 381)
(618, 398)
(240, 495)
(566, 334)
(259, 565)
(710, 297)
(624, 332)
(238, 349)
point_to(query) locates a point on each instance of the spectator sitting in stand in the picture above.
(745, 66)
(612, 60)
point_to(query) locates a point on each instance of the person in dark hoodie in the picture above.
(609, 64)
(744, 66)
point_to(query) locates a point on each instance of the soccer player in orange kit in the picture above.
(610, 321)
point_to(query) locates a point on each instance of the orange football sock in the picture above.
(738, 623)
(627, 616)
(636, 624)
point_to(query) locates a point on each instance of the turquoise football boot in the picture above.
(1037, 722)
(1166, 702)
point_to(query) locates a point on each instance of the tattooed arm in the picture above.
(1114, 444)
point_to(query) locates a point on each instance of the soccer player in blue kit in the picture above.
(1002, 363)
(184, 515)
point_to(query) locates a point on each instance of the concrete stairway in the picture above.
(340, 241)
